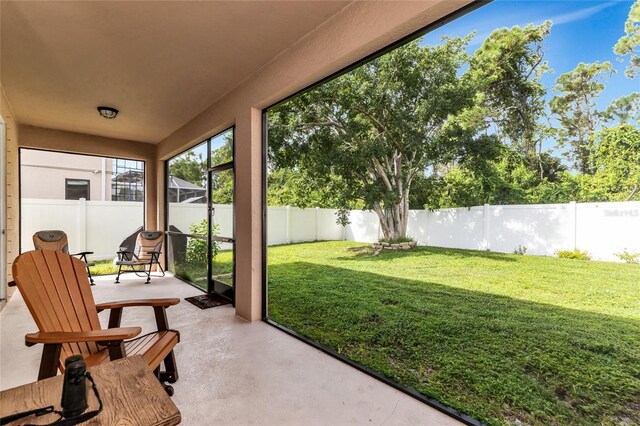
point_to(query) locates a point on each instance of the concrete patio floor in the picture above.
(233, 372)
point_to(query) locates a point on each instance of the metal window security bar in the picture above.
(127, 182)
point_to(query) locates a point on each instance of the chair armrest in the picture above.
(154, 252)
(82, 253)
(125, 255)
(109, 335)
(142, 302)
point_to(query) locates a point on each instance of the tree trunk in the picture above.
(396, 174)
(394, 218)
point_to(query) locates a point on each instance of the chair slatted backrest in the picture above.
(146, 242)
(56, 290)
(51, 240)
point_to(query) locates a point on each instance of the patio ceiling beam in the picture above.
(79, 143)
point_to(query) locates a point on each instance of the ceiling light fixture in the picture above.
(107, 112)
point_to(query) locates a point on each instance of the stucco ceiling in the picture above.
(159, 63)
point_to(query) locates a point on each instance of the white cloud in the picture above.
(559, 19)
(578, 15)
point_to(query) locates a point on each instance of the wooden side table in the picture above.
(130, 393)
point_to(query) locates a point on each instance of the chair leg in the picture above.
(160, 266)
(171, 370)
(86, 265)
(90, 277)
(49, 361)
(148, 272)
(162, 379)
(118, 276)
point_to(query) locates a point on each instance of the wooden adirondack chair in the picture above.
(55, 288)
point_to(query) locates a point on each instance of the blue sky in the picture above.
(582, 31)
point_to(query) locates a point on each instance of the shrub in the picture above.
(573, 254)
(197, 248)
(521, 250)
(628, 257)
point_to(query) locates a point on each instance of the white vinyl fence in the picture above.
(602, 229)
(97, 226)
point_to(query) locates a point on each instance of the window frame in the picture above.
(465, 419)
(67, 187)
(229, 165)
(21, 148)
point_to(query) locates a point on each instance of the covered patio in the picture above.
(223, 379)
(180, 74)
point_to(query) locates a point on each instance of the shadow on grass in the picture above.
(366, 253)
(495, 358)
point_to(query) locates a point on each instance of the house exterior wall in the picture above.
(44, 174)
(12, 205)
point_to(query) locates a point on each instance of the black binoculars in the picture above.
(74, 388)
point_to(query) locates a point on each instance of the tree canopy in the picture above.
(629, 44)
(378, 127)
(190, 167)
(576, 110)
(625, 109)
(506, 72)
(617, 164)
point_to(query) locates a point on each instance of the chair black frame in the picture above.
(129, 258)
(83, 256)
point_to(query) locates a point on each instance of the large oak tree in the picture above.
(380, 126)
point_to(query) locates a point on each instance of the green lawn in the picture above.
(501, 337)
(103, 267)
(196, 273)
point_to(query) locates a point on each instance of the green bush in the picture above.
(521, 250)
(573, 254)
(629, 257)
(197, 248)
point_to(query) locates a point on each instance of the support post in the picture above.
(485, 227)
(573, 224)
(82, 225)
(249, 165)
(288, 221)
(103, 179)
